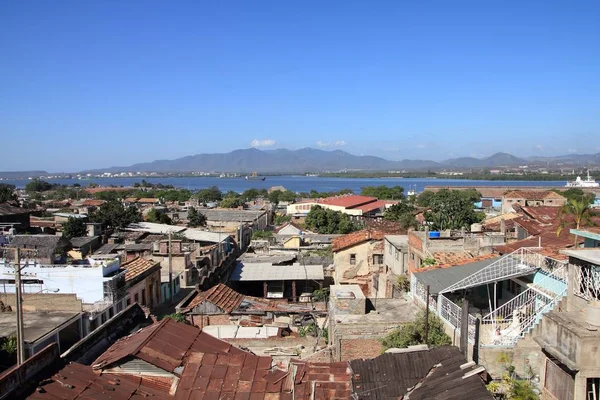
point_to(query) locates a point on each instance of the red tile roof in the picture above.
(355, 238)
(365, 208)
(347, 201)
(105, 189)
(221, 296)
(533, 195)
(138, 266)
(92, 203)
(164, 344)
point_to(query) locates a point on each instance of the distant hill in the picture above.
(315, 160)
(496, 160)
(21, 174)
(281, 160)
(569, 159)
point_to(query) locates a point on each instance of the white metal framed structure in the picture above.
(521, 262)
(509, 322)
(586, 281)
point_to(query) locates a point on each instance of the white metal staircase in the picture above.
(512, 320)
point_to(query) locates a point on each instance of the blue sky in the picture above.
(91, 84)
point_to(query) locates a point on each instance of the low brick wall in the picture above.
(352, 349)
(33, 302)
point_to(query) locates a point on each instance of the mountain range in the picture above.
(314, 160)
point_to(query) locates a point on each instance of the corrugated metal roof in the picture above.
(205, 236)
(269, 272)
(151, 227)
(163, 344)
(440, 278)
(77, 381)
(392, 375)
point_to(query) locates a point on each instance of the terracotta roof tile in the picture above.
(347, 201)
(355, 238)
(92, 203)
(533, 195)
(220, 295)
(138, 266)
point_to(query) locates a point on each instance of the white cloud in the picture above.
(421, 146)
(262, 143)
(572, 150)
(539, 146)
(337, 143)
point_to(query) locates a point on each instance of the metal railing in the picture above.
(586, 281)
(507, 323)
(520, 262)
(451, 313)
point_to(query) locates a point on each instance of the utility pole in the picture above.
(427, 318)
(171, 288)
(20, 333)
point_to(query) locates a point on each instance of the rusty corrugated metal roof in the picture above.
(76, 381)
(164, 344)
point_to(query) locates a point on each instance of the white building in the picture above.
(99, 284)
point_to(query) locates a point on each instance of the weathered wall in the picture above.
(19, 379)
(44, 301)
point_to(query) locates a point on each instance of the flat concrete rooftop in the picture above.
(36, 324)
(397, 311)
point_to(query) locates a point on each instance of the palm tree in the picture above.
(578, 211)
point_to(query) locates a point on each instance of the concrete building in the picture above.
(569, 335)
(358, 259)
(44, 249)
(531, 198)
(591, 236)
(99, 283)
(143, 282)
(358, 323)
(351, 204)
(43, 328)
(395, 253)
(13, 217)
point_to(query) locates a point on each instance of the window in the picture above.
(143, 297)
(397, 255)
(352, 259)
(137, 298)
(389, 249)
(378, 259)
(103, 318)
(128, 301)
(111, 312)
(412, 256)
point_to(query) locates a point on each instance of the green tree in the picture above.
(211, 194)
(177, 317)
(252, 194)
(112, 214)
(403, 213)
(231, 202)
(452, 209)
(329, 222)
(158, 216)
(38, 185)
(281, 219)
(7, 193)
(257, 235)
(384, 192)
(577, 212)
(576, 194)
(74, 227)
(413, 333)
(424, 198)
(9, 345)
(274, 197)
(195, 218)
(287, 196)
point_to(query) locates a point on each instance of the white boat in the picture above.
(589, 182)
